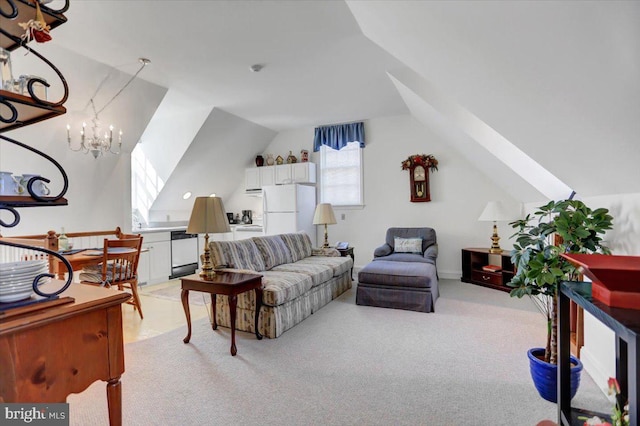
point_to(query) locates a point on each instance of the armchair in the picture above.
(428, 248)
(403, 272)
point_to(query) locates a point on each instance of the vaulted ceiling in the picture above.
(559, 81)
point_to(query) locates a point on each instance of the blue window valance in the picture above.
(338, 136)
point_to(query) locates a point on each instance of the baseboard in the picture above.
(595, 369)
(449, 275)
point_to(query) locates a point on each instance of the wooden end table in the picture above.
(348, 252)
(229, 284)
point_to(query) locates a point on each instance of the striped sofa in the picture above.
(297, 280)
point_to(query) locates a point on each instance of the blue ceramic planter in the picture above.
(545, 375)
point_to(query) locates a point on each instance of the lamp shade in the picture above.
(208, 217)
(495, 211)
(324, 215)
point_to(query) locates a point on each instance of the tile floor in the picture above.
(160, 315)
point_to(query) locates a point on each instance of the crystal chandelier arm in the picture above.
(97, 143)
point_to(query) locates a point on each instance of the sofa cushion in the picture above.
(243, 254)
(279, 287)
(339, 265)
(299, 245)
(318, 272)
(407, 245)
(273, 250)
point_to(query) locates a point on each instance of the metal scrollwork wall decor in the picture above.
(21, 22)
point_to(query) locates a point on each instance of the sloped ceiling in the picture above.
(318, 66)
(559, 80)
(213, 163)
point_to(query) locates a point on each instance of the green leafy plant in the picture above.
(566, 226)
(619, 416)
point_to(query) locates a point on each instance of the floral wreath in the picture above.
(428, 161)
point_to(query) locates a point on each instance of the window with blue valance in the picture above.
(338, 136)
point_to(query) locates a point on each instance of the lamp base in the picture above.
(326, 237)
(208, 271)
(495, 247)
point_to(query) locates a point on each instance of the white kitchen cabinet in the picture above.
(155, 263)
(143, 267)
(252, 179)
(267, 176)
(295, 173)
(282, 174)
(303, 172)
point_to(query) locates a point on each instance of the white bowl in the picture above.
(22, 275)
(14, 297)
(26, 265)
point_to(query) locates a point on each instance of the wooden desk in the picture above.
(48, 354)
(230, 284)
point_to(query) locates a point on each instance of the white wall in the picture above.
(99, 194)
(458, 192)
(598, 352)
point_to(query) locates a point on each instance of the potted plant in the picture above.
(566, 226)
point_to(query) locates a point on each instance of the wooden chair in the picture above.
(118, 268)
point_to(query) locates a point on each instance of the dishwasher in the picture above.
(184, 254)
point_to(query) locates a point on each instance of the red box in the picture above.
(616, 279)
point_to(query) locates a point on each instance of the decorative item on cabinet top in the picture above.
(291, 158)
(279, 160)
(270, 160)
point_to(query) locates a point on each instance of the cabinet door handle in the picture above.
(486, 278)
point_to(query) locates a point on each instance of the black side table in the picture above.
(348, 252)
(626, 325)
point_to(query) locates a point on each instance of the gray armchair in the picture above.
(429, 249)
(403, 277)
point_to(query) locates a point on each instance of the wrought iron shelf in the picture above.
(28, 110)
(17, 110)
(25, 10)
(26, 201)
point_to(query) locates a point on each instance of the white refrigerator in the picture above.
(289, 208)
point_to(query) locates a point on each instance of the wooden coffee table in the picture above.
(230, 284)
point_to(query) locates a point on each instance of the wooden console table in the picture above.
(626, 325)
(50, 353)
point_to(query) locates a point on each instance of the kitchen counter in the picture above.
(234, 227)
(160, 229)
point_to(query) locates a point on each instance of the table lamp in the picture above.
(324, 216)
(493, 212)
(208, 216)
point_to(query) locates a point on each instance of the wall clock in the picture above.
(419, 166)
(419, 184)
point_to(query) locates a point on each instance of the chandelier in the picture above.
(95, 140)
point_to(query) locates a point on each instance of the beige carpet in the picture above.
(173, 291)
(465, 364)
